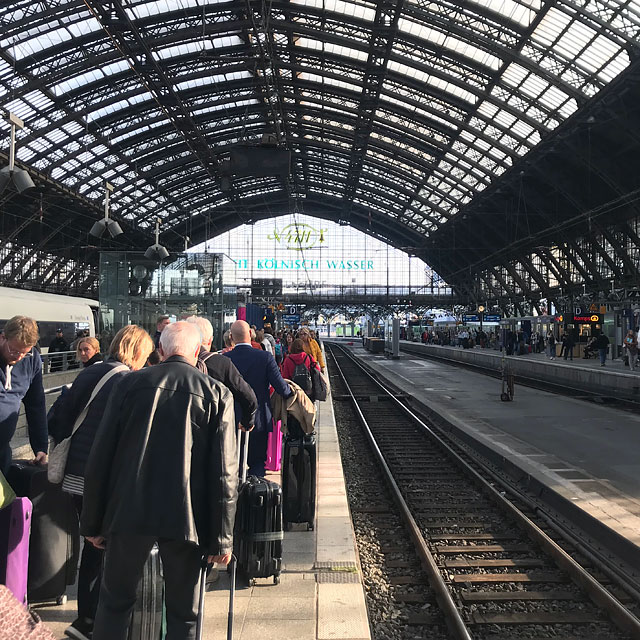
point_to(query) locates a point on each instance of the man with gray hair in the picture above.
(163, 469)
(223, 370)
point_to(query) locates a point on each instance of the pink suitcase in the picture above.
(274, 448)
(15, 526)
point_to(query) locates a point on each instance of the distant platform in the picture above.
(614, 379)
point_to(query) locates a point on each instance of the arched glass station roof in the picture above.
(410, 120)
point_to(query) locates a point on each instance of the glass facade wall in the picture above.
(134, 290)
(323, 259)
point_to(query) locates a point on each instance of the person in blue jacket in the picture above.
(21, 382)
(259, 369)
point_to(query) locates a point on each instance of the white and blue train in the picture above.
(51, 312)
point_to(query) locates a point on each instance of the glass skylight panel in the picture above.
(331, 81)
(333, 49)
(521, 12)
(600, 51)
(355, 8)
(553, 97)
(615, 67)
(181, 49)
(550, 27)
(147, 9)
(577, 36)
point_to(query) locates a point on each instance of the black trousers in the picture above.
(124, 561)
(89, 575)
(257, 454)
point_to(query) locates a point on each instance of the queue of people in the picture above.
(148, 441)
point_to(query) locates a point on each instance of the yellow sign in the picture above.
(595, 319)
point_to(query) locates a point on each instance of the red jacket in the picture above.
(293, 359)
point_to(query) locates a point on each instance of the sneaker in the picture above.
(80, 629)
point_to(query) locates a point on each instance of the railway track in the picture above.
(494, 572)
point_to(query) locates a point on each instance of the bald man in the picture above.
(259, 369)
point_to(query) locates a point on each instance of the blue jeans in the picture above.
(603, 355)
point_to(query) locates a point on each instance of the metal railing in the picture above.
(59, 361)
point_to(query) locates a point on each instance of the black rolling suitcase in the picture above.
(54, 547)
(258, 529)
(299, 480)
(147, 618)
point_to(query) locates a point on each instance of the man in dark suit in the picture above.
(259, 369)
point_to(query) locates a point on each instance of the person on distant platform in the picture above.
(602, 344)
(568, 345)
(162, 322)
(551, 345)
(58, 345)
(631, 348)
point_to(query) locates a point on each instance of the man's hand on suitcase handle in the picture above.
(96, 541)
(225, 559)
(40, 458)
(243, 428)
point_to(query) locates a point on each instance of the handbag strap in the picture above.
(107, 376)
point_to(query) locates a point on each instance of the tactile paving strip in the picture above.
(337, 573)
(335, 577)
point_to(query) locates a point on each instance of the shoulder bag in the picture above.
(58, 457)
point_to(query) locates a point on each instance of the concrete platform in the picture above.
(320, 596)
(583, 453)
(614, 379)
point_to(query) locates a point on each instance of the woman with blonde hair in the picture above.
(88, 352)
(128, 351)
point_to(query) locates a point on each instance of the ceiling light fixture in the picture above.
(156, 251)
(21, 178)
(105, 224)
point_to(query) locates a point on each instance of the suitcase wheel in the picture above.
(276, 579)
(310, 526)
(60, 600)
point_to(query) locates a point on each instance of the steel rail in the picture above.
(620, 615)
(625, 581)
(452, 616)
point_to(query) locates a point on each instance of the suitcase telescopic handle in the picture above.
(232, 594)
(245, 453)
(205, 567)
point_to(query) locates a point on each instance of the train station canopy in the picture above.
(495, 139)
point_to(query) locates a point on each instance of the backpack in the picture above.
(302, 377)
(278, 349)
(201, 363)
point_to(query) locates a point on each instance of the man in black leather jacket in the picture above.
(163, 469)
